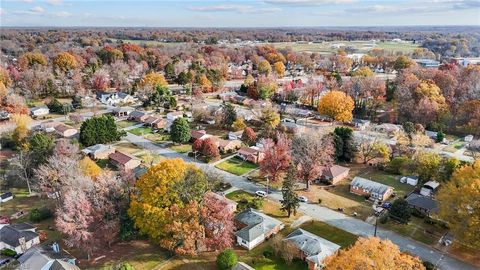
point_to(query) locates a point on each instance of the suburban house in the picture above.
(364, 187)
(39, 111)
(5, 197)
(122, 111)
(254, 227)
(99, 151)
(228, 146)
(19, 237)
(333, 174)
(429, 188)
(123, 161)
(114, 98)
(410, 180)
(253, 154)
(155, 122)
(48, 126)
(227, 204)
(137, 116)
(468, 138)
(65, 130)
(424, 204)
(174, 115)
(237, 135)
(4, 115)
(199, 135)
(47, 258)
(311, 248)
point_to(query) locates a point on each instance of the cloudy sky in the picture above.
(252, 13)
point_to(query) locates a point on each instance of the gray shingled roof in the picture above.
(369, 185)
(256, 223)
(420, 201)
(11, 235)
(23, 226)
(39, 256)
(315, 248)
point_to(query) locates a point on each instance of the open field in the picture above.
(182, 148)
(124, 124)
(332, 234)
(417, 229)
(141, 131)
(128, 148)
(360, 46)
(236, 166)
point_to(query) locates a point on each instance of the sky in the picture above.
(250, 13)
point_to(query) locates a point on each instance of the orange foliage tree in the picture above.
(337, 105)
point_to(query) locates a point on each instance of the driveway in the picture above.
(336, 219)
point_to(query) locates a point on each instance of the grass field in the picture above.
(125, 124)
(332, 234)
(183, 148)
(141, 131)
(128, 148)
(257, 260)
(360, 46)
(236, 166)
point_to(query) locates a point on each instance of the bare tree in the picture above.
(22, 162)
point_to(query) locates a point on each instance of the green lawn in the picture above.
(257, 260)
(236, 166)
(332, 234)
(388, 179)
(183, 148)
(125, 124)
(141, 131)
(417, 229)
(238, 195)
(158, 137)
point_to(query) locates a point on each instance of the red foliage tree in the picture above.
(217, 220)
(277, 157)
(197, 145)
(249, 137)
(210, 149)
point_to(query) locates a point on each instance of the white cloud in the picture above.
(54, 2)
(307, 2)
(61, 14)
(2, 11)
(233, 8)
(37, 10)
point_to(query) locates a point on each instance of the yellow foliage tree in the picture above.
(89, 167)
(363, 72)
(153, 79)
(372, 254)
(270, 117)
(205, 83)
(3, 92)
(65, 61)
(239, 124)
(337, 105)
(5, 77)
(264, 67)
(279, 68)
(459, 203)
(249, 80)
(31, 59)
(21, 131)
(150, 206)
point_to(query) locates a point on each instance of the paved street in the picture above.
(317, 212)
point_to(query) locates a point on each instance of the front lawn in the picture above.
(141, 131)
(124, 124)
(236, 166)
(332, 234)
(182, 148)
(417, 229)
(128, 148)
(256, 259)
(159, 137)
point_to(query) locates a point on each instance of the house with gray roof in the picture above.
(18, 237)
(312, 248)
(254, 227)
(375, 191)
(47, 258)
(424, 204)
(39, 111)
(242, 266)
(99, 151)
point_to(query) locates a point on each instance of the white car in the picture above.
(261, 193)
(302, 199)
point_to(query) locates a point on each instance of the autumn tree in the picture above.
(217, 218)
(310, 154)
(279, 69)
(21, 131)
(153, 79)
(31, 59)
(229, 115)
(403, 62)
(180, 130)
(100, 80)
(370, 254)
(457, 203)
(239, 124)
(363, 72)
(210, 149)
(270, 117)
(337, 105)
(290, 201)
(369, 150)
(65, 61)
(249, 136)
(427, 166)
(89, 167)
(277, 157)
(264, 67)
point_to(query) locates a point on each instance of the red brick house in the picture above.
(123, 161)
(333, 174)
(364, 187)
(253, 154)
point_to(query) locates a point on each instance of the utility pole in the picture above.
(376, 223)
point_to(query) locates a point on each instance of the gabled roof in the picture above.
(242, 266)
(24, 226)
(62, 128)
(122, 109)
(334, 171)
(120, 157)
(38, 257)
(371, 186)
(257, 223)
(10, 235)
(97, 148)
(197, 134)
(39, 108)
(136, 114)
(315, 248)
(420, 201)
(6, 195)
(431, 184)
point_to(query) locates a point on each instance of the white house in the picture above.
(115, 98)
(468, 138)
(18, 237)
(429, 188)
(254, 227)
(5, 197)
(39, 111)
(174, 115)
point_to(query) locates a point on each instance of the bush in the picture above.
(430, 221)
(267, 253)
(383, 219)
(319, 201)
(417, 213)
(125, 266)
(257, 203)
(429, 266)
(226, 259)
(8, 252)
(37, 215)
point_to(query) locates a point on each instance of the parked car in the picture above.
(261, 193)
(302, 199)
